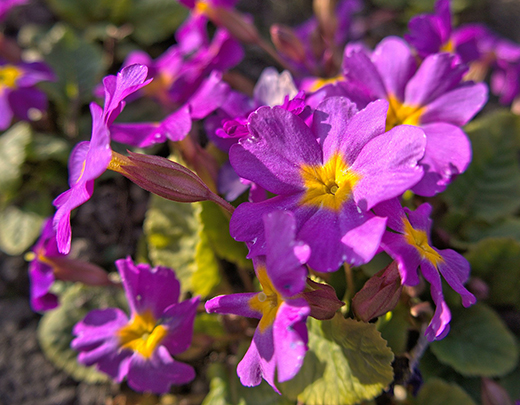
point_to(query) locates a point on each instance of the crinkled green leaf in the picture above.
(172, 233)
(207, 275)
(479, 344)
(347, 362)
(13, 145)
(175, 239)
(55, 327)
(496, 262)
(216, 227)
(490, 187)
(438, 392)
(18, 230)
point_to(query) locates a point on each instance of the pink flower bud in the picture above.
(322, 300)
(494, 394)
(379, 295)
(237, 24)
(77, 270)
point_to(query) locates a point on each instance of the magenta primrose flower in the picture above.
(7, 5)
(141, 348)
(408, 242)
(90, 159)
(329, 176)
(48, 264)
(18, 94)
(431, 96)
(280, 340)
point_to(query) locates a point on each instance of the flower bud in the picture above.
(287, 43)
(238, 25)
(494, 394)
(379, 295)
(77, 270)
(322, 300)
(165, 178)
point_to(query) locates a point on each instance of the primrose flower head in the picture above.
(431, 96)
(329, 185)
(141, 348)
(409, 244)
(18, 95)
(90, 159)
(280, 340)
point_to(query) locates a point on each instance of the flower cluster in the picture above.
(327, 151)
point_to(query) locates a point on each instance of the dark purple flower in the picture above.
(280, 340)
(18, 95)
(409, 244)
(431, 96)
(329, 176)
(48, 264)
(141, 348)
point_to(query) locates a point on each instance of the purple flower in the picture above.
(431, 96)
(90, 159)
(280, 340)
(7, 5)
(47, 264)
(329, 176)
(409, 244)
(187, 82)
(18, 95)
(141, 348)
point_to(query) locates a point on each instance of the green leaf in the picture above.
(55, 327)
(207, 275)
(496, 262)
(77, 64)
(216, 227)
(18, 230)
(172, 233)
(218, 387)
(155, 20)
(44, 147)
(479, 344)
(394, 328)
(510, 381)
(176, 239)
(490, 188)
(13, 145)
(347, 362)
(439, 392)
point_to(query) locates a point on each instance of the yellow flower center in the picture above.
(267, 302)
(320, 82)
(402, 114)
(142, 334)
(330, 185)
(419, 240)
(9, 74)
(449, 46)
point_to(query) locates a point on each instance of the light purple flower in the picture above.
(329, 176)
(47, 264)
(141, 348)
(280, 340)
(408, 242)
(18, 94)
(431, 96)
(90, 159)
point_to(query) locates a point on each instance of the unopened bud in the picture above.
(238, 25)
(494, 394)
(165, 178)
(325, 11)
(379, 295)
(287, 43)
(322, 300)
(78, 271)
